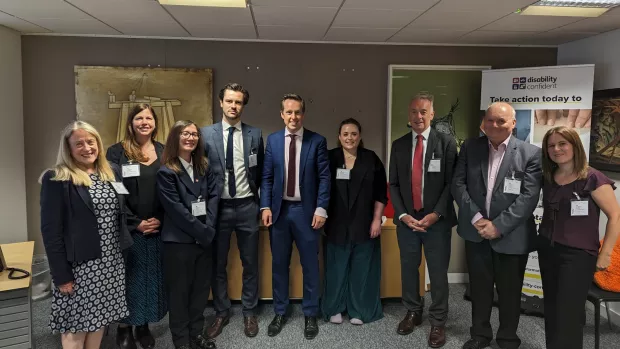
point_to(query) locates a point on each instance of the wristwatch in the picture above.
(438, 214)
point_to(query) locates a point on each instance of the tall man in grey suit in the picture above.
(235, 151)
(500, 169)
(421, 167)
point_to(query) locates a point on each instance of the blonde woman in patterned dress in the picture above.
(84, 232)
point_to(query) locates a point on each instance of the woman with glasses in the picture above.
(139, 155)
(188, 192)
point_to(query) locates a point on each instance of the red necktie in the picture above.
(290, 179)
(416, 173)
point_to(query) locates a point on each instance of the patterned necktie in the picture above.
(232, 186)
(416, 173)
(291, 176)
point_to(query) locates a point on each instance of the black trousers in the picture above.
(240, 216)
(187, 273)
(486, 269)
(567, 274)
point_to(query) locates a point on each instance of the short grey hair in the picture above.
(424, 95)
(513, 112)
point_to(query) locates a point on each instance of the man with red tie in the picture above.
(420, 173)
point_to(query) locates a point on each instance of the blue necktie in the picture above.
(232, 187)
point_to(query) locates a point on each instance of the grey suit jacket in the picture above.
(512, 214)
(252, 144)
(436, 191)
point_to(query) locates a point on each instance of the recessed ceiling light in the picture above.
(569, 8)
(205, 3)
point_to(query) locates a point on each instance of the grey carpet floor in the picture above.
(378, 335)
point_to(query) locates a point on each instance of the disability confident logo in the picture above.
(534, 82)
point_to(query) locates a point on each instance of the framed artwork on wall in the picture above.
(605, 141)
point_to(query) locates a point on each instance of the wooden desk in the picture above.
(391, 286)
(15, 304)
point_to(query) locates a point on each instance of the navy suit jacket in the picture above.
(69, 225)
(314, 175)
(176, 193)
(252, 144)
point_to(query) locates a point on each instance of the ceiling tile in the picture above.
(147, 28)
(593, 25)
(421, 5)
(42, 9)
(498, 37)
(87, 26)
(516, 22)
(559, 37)
(493, 6)
(613, 12)
(428, 36)
(469, 21)
(358, 34)
(364, 18)
(280, 32)
(111, 11)
(212, 16)
(224, 31)
(298, 3)
(294, 16)
(20, 25)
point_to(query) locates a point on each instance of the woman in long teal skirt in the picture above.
(353, 254)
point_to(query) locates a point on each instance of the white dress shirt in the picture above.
(425, 136)
(241, 176)
(287, 142)
(496, 156)
(189, 167)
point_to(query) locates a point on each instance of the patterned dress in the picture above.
(99, 291)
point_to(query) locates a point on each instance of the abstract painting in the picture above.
(105, 95)
(605, 141)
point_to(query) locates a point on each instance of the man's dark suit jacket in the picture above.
(436, 191)
(69, 225)
(512, 214)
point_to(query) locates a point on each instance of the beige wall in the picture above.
(338, 81)
(12, 171)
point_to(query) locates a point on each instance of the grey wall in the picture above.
(12, 171)
(322, 73)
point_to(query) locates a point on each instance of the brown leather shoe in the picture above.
(410, 321)
(250, 324)
(437, 338)
(216, 326)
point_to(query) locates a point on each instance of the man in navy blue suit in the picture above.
(294, 197)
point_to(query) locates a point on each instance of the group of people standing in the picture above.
(145, 231)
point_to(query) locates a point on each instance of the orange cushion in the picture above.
(609, 279)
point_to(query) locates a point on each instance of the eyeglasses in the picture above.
(186, 135)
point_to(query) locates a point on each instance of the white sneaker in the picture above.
(355, 321)
(336, 319)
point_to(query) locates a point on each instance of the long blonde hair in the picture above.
(67, 170)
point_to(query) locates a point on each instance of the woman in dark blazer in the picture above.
(84, 232)
(189, 194)
(353, 253)
(139, 155)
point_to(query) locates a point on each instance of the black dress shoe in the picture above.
(200, 342)
(144, 337)
(276, 325)
(311, 329)
(475, 344)
(124, 338)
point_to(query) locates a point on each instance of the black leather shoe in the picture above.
(311, 329)
(475, 344)
(184, 347)
(200, 342)
(144, 337)
(276, 325)
(124, 338)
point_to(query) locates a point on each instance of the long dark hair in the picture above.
(580, 161)
(351, 121)
(130, 144)
(170, 158)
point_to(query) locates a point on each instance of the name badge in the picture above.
(343, 173)
(252, 160)
(578, 207)
(512, 185)
(131, 170)
(434, 165)
(119, 187)
(199, 208)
